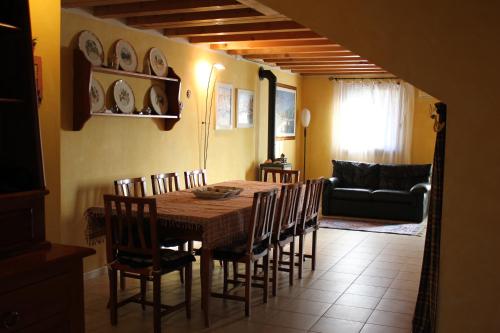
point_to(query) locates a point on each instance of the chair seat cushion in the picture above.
(393, 196)
(170, 259)
(238, 250)
(351, 193)
(171, 242)
(286, 234)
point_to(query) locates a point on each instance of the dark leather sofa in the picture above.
(380, 191)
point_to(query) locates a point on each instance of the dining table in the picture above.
(182, 215)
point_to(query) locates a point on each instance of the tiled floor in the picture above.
(364, 282)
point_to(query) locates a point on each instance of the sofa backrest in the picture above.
(403, 177)
(357, 175)
(380, 176)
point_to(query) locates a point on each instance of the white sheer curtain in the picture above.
(372, 120)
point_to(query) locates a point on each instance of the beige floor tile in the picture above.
(333, 325)
(396, 306)
(401, 295)
(307, 307)
(373, 281)
(327, 285)
(367, 302)
(349, 313)
(287, 319)
(381, 272)
(361, 289)
(391, 319)
(371, 328)
(350, 269)
(339, 277)
(319, 295)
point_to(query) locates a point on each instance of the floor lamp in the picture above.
(305, 119)
(208, 112)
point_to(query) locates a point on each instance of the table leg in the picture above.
(206, 282)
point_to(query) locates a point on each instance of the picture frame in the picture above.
(286, 111)
(223, 106)
(244, 108)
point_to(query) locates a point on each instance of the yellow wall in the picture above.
(318, 97)
(435, 45)
(45, 26)
(109, 148)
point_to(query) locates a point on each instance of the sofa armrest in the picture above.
(332, 182)
(421, 188)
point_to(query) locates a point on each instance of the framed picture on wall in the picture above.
(224, 106)
(244, 108)
(286, 105)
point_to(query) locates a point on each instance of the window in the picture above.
(372, 120)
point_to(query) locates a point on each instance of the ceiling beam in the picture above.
(305, 56)
(92, 3)
(233, 29)
(259, 7)
(280, 62)
(265, 44)
(327, 49)
(339, 71)
(319, 69)
(322, 66)
(164, 8)
(301, 35)
(192, 19)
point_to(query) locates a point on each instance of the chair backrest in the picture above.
(165, 182)
(288, 208)
(282, 176)
(131, 187)
(262, 220)
(312, 198)
(195, 178)
(131, 227)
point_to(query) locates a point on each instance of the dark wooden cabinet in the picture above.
(41, 285)
(42, 291)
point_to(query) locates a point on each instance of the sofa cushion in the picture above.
(392, 196)
(354, 174)
(403, 177)
(351, 194)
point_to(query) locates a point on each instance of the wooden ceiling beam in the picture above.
(233, 29)
(259, 7)
(92, 3)
(327, 49)
(312, 62)
(193, 19)
(325, 69)
(164, 8)
(340, 71)
(305, 56)
(322, 66)
(265, 44)
(276, 36)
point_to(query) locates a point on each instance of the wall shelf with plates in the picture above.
(82, 74)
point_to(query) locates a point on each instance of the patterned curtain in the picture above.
(424, 319)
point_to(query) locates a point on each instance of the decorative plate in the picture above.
(127, 58)
(124, 97)
(216, 192)
(91, 47)
(158, 99)
(158, 62)
(97, 96)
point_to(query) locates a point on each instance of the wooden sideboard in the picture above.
(42, 291)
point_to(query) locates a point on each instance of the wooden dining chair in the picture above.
(131, 187)
(165, 182)
(284, 232)
(256, 246)
(308, 221)
(133, 248)
(195, 178)
(281, 176)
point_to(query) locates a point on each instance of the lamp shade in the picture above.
(305, 117)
